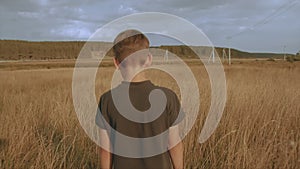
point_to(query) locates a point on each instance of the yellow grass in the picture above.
(259, 128)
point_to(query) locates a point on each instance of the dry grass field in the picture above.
(260, 127)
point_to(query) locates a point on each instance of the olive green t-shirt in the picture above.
(139, 98)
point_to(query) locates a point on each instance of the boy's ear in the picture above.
(116, 63)
(148, 60)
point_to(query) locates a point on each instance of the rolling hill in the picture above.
(27, 50)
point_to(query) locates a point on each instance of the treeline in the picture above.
(16, 50)
(24, 50)
(184, 51)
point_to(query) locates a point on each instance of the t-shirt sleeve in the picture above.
(176, 114)
(102, 118)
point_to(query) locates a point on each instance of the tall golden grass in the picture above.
(259, 128)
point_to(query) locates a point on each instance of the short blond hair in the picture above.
(128, 42)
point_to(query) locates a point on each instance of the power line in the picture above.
(279, 11)
(282, 9)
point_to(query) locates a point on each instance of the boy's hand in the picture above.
(176, 152)
(105, 156)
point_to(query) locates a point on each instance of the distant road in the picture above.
(30, 60)
(107, 62)
(3, 61)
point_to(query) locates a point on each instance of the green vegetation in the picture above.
(293, 58)
(25, 50)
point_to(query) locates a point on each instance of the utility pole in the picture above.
(229, 56)
(224, 54)
(166, 57)
(284, 54)
(212, 55)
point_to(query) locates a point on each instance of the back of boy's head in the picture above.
(127, 43)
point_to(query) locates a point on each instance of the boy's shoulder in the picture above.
(167, 91)
(105, 96)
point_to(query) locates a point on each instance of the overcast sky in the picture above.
(255, 26)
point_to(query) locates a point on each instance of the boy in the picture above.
(131, 49)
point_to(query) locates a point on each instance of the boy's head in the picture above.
(131, 49)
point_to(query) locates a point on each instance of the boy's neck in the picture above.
(138, 78)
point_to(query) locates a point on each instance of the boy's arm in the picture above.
(175, 150)
(105, 155)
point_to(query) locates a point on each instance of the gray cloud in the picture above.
(253, 25)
